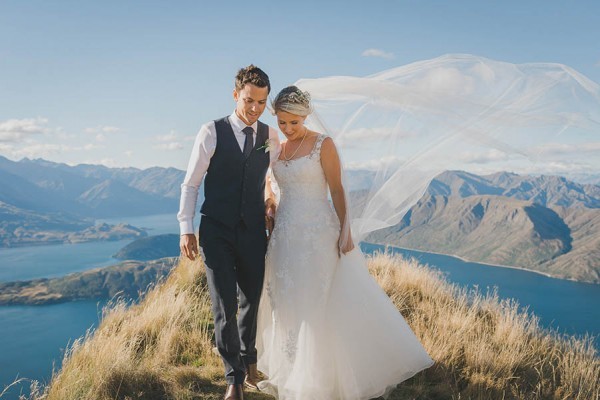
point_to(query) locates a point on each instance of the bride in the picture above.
(326, 330)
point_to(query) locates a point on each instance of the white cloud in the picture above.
(87, 147)
(14, 130)
(446, 81)
(558, 168)
(374, 165)
(100, 137)
(6, 148)
(39, 150)
(559, 149)
(45, 150)
(102, 129)
(107, 162)
(377, 53)
(60, 134)
(169, 146)
(372, 134)
(484, 157)
(169, 142)
(171, 136)
(128, 153)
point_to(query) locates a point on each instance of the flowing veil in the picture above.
(404, 126)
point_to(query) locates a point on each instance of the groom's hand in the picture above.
(188, 246)
(270, 207)
(270, 210)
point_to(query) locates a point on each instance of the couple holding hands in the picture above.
(300, 306)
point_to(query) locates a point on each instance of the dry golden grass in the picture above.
(483, 347)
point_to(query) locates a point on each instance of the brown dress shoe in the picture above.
(234, 392)
(252, 377)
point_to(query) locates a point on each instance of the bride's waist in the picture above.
(299, 195)
(308, 208)
(305, 203)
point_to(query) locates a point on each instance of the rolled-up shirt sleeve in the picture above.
(204, 148)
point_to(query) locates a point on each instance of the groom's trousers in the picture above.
(235, 268)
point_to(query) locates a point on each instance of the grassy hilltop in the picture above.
(484, 348)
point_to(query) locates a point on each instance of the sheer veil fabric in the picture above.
(326, 330)
(459, 111)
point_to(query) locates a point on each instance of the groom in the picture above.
(233, 154)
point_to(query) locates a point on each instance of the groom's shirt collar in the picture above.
(238, 125)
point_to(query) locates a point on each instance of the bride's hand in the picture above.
(270, 207)
(345, 246)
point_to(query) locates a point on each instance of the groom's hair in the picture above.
(253, 75)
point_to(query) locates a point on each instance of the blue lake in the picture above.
(34, 337)
(570, 307)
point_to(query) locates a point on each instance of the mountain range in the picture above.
(544, 223)
(89, 190)
(45, 202)
(549, 224)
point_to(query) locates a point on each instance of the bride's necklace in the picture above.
(287, 159)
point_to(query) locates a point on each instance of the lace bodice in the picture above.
(305, 220)
(303, 177)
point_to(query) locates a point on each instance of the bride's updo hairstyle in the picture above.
(292, 100)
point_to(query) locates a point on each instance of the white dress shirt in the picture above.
(204, 148)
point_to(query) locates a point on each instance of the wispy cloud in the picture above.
(14, 130)
(46, 150)
(169, 137)
(107, 162)
(169, 142)
(377, 53)
(102, 129)
(374, 165)
(484, 157)
(561, 149)
(377, 133)
(169, 146)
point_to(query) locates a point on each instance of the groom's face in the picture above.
(250, 102)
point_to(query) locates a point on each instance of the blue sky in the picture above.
(129, 83)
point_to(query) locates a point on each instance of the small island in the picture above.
(127, 279)
(20, 227)
(34, 236)
(150, 248)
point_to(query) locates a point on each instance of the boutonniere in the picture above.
(266, 147)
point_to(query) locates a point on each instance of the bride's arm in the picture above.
(330, 161)
(270, 204)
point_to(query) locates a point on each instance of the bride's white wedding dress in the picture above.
(326, 330)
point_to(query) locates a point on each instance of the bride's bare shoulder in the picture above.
(328, 149)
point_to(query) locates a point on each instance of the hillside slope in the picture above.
(161, 348)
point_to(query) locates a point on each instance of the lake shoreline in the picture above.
(482, 263)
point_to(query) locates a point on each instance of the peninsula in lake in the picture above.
(127, 279)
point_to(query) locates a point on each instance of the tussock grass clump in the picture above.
(484, 347)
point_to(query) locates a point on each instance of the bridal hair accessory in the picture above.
(292, 100)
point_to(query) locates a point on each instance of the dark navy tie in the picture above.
(249, 142)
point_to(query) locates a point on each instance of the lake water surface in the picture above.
(33, 338)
